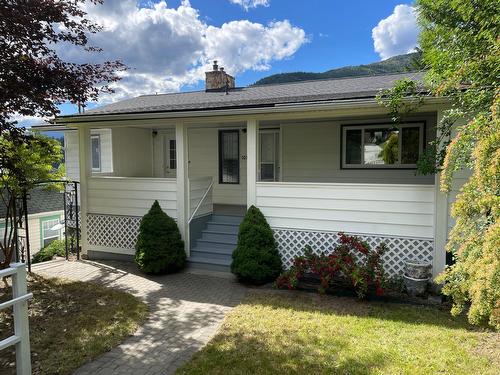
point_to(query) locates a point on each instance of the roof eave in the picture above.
(251, 110)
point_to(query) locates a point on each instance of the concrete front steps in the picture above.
(213, 250)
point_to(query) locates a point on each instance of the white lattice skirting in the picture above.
(112, 231)
(291, 242)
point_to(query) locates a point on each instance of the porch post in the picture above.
(252, 128)
(440, 222)
(84, 164)
(182, 182)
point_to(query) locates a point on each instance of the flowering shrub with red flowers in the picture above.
(352, 262)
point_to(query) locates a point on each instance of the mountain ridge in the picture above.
(397, 64)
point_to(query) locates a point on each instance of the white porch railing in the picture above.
(200, 197)
(131, 196)
(375, 209)
(19, 302)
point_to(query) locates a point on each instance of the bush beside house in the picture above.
(159, 247)
(352, 265)
(256, 259)
(56, 247)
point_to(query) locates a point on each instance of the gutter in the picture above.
(249, 111)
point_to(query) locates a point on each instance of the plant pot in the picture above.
(417, 270)
(415, 287)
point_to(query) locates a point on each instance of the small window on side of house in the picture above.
(95, 149)
(48, 233)
(383, 146)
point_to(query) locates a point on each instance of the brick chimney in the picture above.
(218, 79)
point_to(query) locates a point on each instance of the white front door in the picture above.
(269, 155)
(169, 155)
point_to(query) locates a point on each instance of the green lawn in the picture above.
(71, 323)
(281, 332)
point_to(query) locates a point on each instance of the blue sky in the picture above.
(170, 44)
(339, 32)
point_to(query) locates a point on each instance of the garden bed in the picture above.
(71, 323)
(392, 293)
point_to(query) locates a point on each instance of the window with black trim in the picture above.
(95, 150)
(382, 145)
(229, 156)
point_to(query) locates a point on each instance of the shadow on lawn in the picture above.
(70, 323)
(184, 312)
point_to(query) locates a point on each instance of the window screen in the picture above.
(229, 157)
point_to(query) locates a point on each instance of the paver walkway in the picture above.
(186, 310)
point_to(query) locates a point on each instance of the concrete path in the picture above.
(186, 310)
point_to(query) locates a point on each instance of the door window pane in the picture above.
(353, 147)
(172, 154)
(381, 146)
(229, 154)
(410, 142)
(267, 147)
(267, 172)
(277, 157)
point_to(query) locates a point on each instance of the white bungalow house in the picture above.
(316, 157)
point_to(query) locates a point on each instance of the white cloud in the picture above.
(247, 4)
(396, 34)
(167, 48)
(26, 121)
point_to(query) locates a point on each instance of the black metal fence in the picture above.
(70, 222)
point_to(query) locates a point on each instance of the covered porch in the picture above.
(311, 177)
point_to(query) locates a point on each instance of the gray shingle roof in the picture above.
(40, 200)
(256, 96)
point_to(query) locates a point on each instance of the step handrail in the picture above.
(200, 202)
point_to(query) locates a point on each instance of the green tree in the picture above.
(34, 80)
(256, 258)
(159, 247)
(461, 49)
(24, 162)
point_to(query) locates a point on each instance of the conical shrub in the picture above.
(159, 247)
(256, 259)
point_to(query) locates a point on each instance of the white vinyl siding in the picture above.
(71, 148)
(132, 152)
(378, 209)
(131, 196)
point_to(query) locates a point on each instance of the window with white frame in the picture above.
(49, 233)
(382, 145)
(95, 150)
